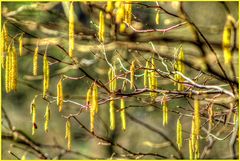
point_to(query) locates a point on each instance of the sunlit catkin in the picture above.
(33, 113)
(4, 44)
(89, 96)
(132, 74)
(71, 29)
(35, 61)
(122, 114)
(197, 121)
(68, 134)
(190, 149)
(45, 75)
(95, 97)
(180, 68)
(153, 79)
(128, 12)
(112, 114)
(47, 118)
(20, 44)
(60, 95)
(110, 6)
(7, 74)
(226, 42)
(101, 27)
(179, 134)
(145, 78)
(165, 110)
(157, 17)
(13, 69)
(120, 14)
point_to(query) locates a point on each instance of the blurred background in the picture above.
(47, 22)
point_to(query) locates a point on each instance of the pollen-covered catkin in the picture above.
(7, 74)
(197, 121)
(47, 118)
(45, 75)
(110, 6)
(60, 95)
(5, 44)
(132, 74)
(20, 42)
(71, 29)
(190, 148)
(120, 14)
(112, 114)
(33, 113)
(157, 18)
(179, 134)
(35, 61)
(146, 75)
(68, 134)
(89, 96)
(128, 12)
(180, 68)
(227, 34)
(165, 111)
(95, 97)
(101, 27)
(122, 114)
(13, 69)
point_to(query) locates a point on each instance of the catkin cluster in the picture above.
(179, 66)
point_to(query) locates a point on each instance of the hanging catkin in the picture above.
(112, 78)
(47, 118)
(128, 12)
(197, 121)
(179, 134)
(20, 42)
(7, 74)
(71, 29)
(45, 75)
(120, 14)
(101, 27)
(13, 69)
(112, 114)
(95, 97)
(157, 18)
(190, 149)
(153, 79)
(5, 44)
(165, 111)
(180, 68)
(146, 75)
(89, 96)
(33, 113)
(122, 114)
(35, 61)
(132, 74)
(110, 6)
(68, 134)
(60, 95)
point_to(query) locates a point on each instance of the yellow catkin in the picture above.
(197, 121)
(132, 74)
(60, 95)
(35, 61)
(45, 75)
(20, 42)
(120, 13)
(14, 69)
(95, 97)
(33, 113)
(145, 78)
(165, 111)
(190, 149)
(110, 6)
(193, 136)
(179, 134)
(226, 42)
(7, 74)
(110, 78)
(71, 29)
(101, 31)
(68, 134)
(4, 44)
(235, 117)
(47, 118)
(89, 96)
(157, 18)
(112, 114)
(128, 12)
(24, 156)
(153, 79)
(210, 115)
(180, 68)
(92, 118)
(122, 114)
(122, 27)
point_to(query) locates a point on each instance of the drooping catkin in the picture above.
(190, 149)
(145, 81)
(165, 111)
(112, 114)
(20, 42)
(193, 136)
(132, 74)
(45, 75)
(128, 12)
(33, 113)
(4, 45)
(112, 78)
(101, 31)
(122, 114)
(13, 69)
(68, 134)
(89, 96)
(110, 6)
(197, 121)
(157, 17)
(92, 118)
(95, 97)
(7, 74)
(35, 61)
(210, 115)
(71, 29)
(120, 14)
(226, 42)
(153, 79)
(180, 68)
(91, 104)
(60, 95)
(179, 134)
(47, 118)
